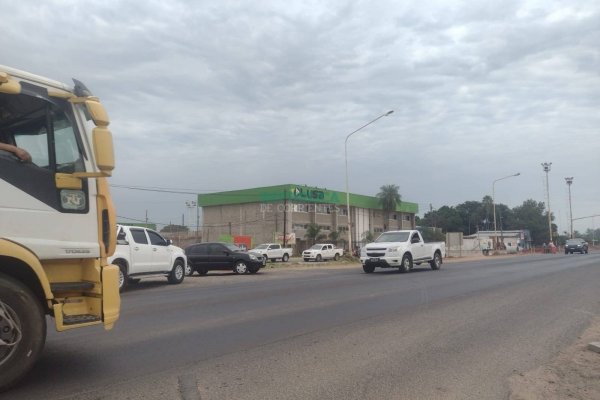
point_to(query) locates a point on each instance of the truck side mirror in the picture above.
(169, 242)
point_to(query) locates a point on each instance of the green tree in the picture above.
(313, 233)
(531, 215)
(174, 228)
(389, 198)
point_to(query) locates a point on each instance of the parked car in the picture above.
(273, 251)
(320, 252)
(217, 256)
(576, 245)
(143, 253)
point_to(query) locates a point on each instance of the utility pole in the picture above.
(284, 218)
(546, 167)
(569, 183)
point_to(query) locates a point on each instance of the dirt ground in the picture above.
(573, 374)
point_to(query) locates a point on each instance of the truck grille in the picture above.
(375, 254)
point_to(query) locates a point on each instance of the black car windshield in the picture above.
(393, 237)
(574, 241)
(233, 247)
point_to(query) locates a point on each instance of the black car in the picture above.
(204, 257)
(576, 245)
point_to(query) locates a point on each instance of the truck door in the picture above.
(38, 209)
(141, 252)
(417, 247)
(275, 251)
(161, 253)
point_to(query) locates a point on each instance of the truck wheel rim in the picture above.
(188, 270)
(10, 332)
(179, 272)
(121, 278)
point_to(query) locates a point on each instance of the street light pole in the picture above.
(347, 190)
(494, 204)
(569, 183)
(546, 167)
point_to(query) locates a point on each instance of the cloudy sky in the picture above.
(221, 95)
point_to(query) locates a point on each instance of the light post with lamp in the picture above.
(569, 183)
(546, 167)
(494, 204)
(347, 190)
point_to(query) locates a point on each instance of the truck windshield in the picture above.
(262, 246)
(393, 237)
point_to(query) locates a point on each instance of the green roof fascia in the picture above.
(296, 193)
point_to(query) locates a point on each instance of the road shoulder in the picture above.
(573, 374)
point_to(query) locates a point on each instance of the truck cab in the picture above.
(56, 216)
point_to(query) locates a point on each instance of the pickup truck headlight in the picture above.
(393, 249)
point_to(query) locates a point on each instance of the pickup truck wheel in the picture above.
(22, 330)
(266, 258)
(368, 268)
(336, 257)
(285, 258)
(240, 267)
(406, 264)
(177, 273)
(188, 270)
(436, 263)
(123, 278)
(319, 258)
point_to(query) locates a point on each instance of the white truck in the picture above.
(273, 251)
(143, 253)
(402, 250)
(322, 251)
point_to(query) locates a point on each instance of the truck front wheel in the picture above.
(177, 273)
(285, 258)
(407, 263)
(22, 331)
(368, 268)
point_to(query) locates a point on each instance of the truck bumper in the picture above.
(382, 262)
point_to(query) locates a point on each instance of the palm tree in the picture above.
(389, 198)
(313, 233)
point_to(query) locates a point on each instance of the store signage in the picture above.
(310, 194)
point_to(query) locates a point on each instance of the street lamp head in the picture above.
(546, 166)
(389, 112)
(517, 174)
(569, 180)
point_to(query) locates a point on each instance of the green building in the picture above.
(264, 214)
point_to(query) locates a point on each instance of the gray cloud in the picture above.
(218, 96)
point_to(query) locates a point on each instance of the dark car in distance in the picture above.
(576, 245)
(217, 256)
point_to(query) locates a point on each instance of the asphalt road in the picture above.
(328, 333)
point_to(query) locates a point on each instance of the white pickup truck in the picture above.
(142, 253)
(320, 252)
(401, 249)
(273, 251)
